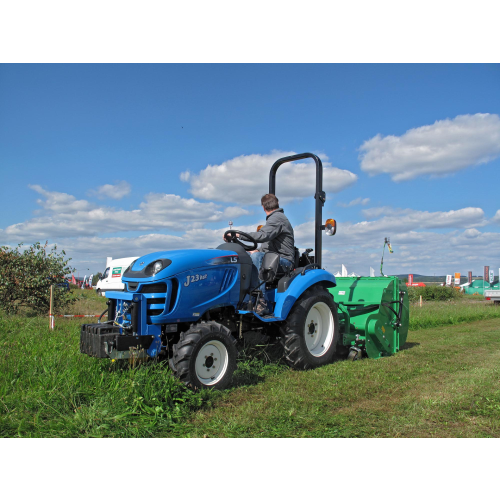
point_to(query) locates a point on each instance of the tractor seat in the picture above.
(272, 273)
(270, 270)
(269, 267)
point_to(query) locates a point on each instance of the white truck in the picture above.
(493, 295)
(112, 277)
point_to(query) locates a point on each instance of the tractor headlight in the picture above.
(157, 267)
(152, 269)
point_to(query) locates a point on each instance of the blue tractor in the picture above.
(193, 305)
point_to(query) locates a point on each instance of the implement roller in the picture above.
(373, 315)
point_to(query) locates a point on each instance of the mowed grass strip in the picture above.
(445, 383)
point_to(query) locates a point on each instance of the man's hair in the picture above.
(269, 202)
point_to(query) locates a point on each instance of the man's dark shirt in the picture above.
(277, 235)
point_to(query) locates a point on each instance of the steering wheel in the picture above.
(231, 236)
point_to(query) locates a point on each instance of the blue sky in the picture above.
(114, 159)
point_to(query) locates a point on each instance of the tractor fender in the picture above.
(285, 300)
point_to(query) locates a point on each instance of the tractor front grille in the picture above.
(156, 296)
(153, 311)
(154, 288)
(155, 305)
(174, 284)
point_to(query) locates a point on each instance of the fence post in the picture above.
(420, 301)
(51, 315)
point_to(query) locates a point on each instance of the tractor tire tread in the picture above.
(181, 362)
(296, 354)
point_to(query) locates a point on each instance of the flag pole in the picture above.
(387, 241)
(382, 260)
(51, 315)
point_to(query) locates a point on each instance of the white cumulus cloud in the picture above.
(496, 217)
(352, 203)
(54, 201)
(68, 217)
(245, 179)
(115, 191)
(438, 149)
(356, 246)
(405, 225)
(374, 212)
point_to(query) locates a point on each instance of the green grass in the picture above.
(444, 383)
(463, 310)
(88, 302)
(47, 388)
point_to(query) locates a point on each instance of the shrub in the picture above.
(433, 293)
(26, 277)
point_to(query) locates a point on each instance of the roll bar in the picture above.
(320, 197)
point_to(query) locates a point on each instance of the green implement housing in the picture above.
(373, 314)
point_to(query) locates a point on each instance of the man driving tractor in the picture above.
(276, 236)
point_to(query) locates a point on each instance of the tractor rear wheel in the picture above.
(205, 356)
(311, 331)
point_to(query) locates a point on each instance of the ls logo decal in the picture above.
(194, 278)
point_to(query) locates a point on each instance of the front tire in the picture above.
(311, 331)
(205, 356)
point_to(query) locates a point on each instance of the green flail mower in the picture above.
(373, 315)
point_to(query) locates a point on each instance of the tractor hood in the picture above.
(176, 261)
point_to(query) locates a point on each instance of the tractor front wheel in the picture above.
(311, 331)
(205, 356)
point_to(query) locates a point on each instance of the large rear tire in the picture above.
(311, 331)
(205, 356)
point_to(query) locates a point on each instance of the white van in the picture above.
(112, 277)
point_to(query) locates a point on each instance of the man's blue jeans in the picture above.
(257, 262)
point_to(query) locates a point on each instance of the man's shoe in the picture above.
(262, 309)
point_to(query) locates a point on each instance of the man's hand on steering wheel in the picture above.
(233, 236)
(229, 240)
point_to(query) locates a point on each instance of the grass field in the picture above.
(444, 383)
(453, 312)
(88, 302)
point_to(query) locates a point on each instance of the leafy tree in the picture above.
(26, 277)
(433, 293)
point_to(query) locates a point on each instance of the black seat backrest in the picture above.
(269, 267)
(297, 257)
